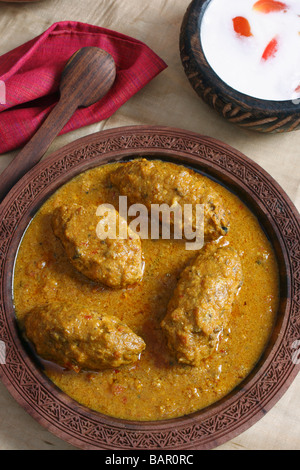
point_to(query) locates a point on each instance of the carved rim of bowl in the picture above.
(273, 374)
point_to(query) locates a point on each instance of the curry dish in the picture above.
(145, 329)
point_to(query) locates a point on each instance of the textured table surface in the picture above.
(169, 101)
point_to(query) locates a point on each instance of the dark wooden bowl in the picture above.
(237, 108)
(273, 374)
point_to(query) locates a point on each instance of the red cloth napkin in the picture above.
(30, 77)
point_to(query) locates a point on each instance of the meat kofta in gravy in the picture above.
(131, 328)
(75, 337)
(149, 182)
(201, 306)
(114, 262)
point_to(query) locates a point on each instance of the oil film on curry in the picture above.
(140, 327)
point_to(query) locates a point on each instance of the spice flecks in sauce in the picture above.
(155, 387)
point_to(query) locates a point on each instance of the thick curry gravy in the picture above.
(155, 387)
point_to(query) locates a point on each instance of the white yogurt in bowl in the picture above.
(254, 46)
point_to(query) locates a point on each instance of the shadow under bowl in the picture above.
(237, 108)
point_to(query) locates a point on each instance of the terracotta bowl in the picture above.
(237, 108)
(273, 374)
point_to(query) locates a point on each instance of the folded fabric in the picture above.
(30, 78)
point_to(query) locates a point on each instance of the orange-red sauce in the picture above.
(155, 387)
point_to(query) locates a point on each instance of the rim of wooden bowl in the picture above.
(273, 374)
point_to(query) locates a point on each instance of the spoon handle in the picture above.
(34, 150)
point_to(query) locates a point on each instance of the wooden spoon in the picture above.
(86, 78)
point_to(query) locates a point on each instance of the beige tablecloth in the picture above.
(168, 100)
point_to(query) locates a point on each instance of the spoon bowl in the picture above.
(89, 74)
(87, 77)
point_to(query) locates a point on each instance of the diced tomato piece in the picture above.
(269, 6)
(242, 26)
(271, 49)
